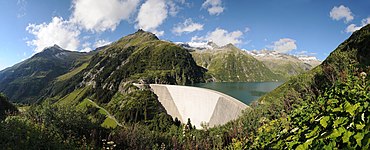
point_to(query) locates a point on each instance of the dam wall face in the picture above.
(199, 104)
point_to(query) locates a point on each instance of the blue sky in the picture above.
(310, 27)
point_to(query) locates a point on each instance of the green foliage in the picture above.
(6, 107)
(339, 118)
(73, 126)
(138, 137)
(139, 105)
(109, 123)
(21, 133)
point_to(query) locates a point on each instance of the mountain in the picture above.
(26, 81)
(285, 64)
(138, 57)
(230, 64)
(352, 53)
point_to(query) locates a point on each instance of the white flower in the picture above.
(363, 75)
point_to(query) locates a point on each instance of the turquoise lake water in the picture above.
(246, 92)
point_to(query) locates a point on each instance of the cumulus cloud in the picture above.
(101, 43)
(352, 27)
(187, 27)
(86, 47)
(58, 31)
(341, 12)
(214, 7)
(98, 15)
(284, 45)
(151, 15)
(221, 37)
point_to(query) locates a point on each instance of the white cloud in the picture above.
(284, 45)
(352, 27)
(102, 15)
(151, 15)
(341, 12)
(86, 47)
(174, 9)
(188, 26)
(302, 52)
(101, 43)
(58, 31)
(214, 7)
(221, 37)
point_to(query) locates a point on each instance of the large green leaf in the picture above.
(360, 126)
(359, 136)
(346, 136)
(324, 121)
(351, 108)
(339, 121)
(337, 132)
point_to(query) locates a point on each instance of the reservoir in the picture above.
(246, 92)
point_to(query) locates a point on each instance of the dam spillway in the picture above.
(199, 104)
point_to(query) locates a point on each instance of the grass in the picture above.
(72, 98)
(109, 122)
(72, 73)
(86, 103)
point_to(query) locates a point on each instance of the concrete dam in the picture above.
(199, 104)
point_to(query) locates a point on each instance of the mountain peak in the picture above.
(139, 36)
(144, 34)
(56, 46)
(212, 44)
(53, 48)
(230, 46)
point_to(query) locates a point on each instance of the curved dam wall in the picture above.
(199, 104)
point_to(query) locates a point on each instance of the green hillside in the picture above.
(323, 108)
(28, 81)
(286, 65)
(230, 64)
(139, 57)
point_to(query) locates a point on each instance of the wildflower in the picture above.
(363, 75)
